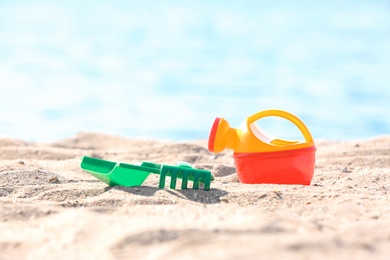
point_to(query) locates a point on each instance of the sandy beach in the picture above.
(51, 209)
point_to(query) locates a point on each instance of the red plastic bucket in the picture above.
(284, 167)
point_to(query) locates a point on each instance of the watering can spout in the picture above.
(222, 136)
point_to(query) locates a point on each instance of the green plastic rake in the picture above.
(129, 175)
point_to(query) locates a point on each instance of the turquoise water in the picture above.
(166, 69)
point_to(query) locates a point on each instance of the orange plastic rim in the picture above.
(213, 134)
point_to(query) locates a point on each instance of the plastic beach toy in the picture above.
(261, 158)
(129, 175)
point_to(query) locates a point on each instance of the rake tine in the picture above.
(173, 179)
(196, 181)
(184, 181)
(163, 174)
(207, 181)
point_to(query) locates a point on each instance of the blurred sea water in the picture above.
(166, 69)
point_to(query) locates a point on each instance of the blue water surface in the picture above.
(166, 69)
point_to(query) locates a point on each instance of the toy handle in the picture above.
(280, 113)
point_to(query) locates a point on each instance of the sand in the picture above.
(51, 209)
